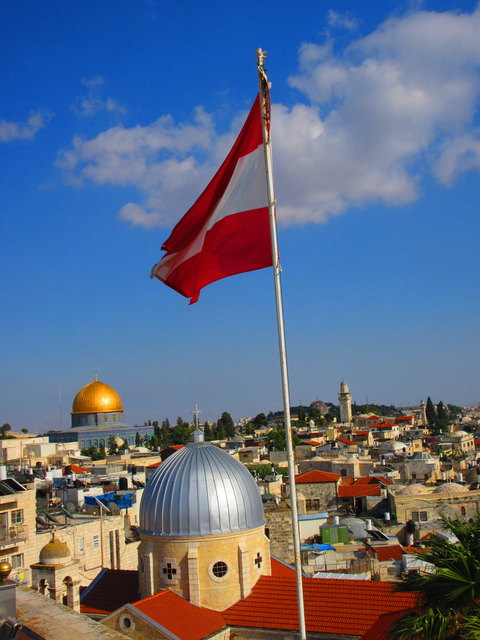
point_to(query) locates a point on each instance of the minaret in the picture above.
(345, 400)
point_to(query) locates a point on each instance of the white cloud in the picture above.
(376, 118)
(36, 121)
(343, 20)
(90, 104)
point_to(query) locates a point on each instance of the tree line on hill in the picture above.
(165, 434)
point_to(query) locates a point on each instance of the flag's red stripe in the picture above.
(235, 244)
(193, 221)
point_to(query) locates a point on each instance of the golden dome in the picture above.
(54, 552)
(96, 397)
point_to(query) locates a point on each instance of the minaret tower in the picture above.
(345, 400)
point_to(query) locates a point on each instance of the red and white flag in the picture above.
(227, 230)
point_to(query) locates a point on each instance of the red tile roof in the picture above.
(359, 491)
(315, 475)
(312, 443)
(281, 569)
(380, 630)
(111, 589)
(154, 465)
(362, 432)
(374, 418)
(373, 480)
(384, 425)
(404, 418)
(348, 607)
(180, 617)
(345, 441)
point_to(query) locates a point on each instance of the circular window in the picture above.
(127, 623)
(219, 569)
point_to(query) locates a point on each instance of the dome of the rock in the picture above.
(96, 397)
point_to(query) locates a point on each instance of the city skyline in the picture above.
(113, 120)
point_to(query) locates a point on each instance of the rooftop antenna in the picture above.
(59, 406)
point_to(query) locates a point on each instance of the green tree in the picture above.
(276, 440)
(430, 412)
(124, 446)
(448, 596)
(165, 435)
(207, 431)
(249, 429)
(180, 432)
(112, 446)
(442, 421)
(226, 426)
(24, 430)
(4, 429)
(138, 440)
(260, 420)
(94, 453)
(315, 414)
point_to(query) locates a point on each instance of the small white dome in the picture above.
(392, 445)
(449, 487)
(412, 490)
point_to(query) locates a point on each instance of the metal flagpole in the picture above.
(265, 110)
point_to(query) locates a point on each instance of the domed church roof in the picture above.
(96, 397)
(200, 490)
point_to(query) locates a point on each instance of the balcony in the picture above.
(13, 534)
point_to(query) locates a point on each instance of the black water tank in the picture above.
(123, 484)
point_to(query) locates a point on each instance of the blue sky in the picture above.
(114, 116)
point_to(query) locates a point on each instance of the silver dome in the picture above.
(200, 490)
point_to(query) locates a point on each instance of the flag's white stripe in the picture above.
(246, 191)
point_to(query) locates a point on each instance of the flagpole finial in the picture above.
(261, 55)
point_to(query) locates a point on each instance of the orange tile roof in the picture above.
(389, 552)
(312, 443)
(345, 441)
(76, 469)
(348, 607)
(359, 491)
(315, 475)
(180, 617)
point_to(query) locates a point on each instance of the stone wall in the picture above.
(279, 528)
